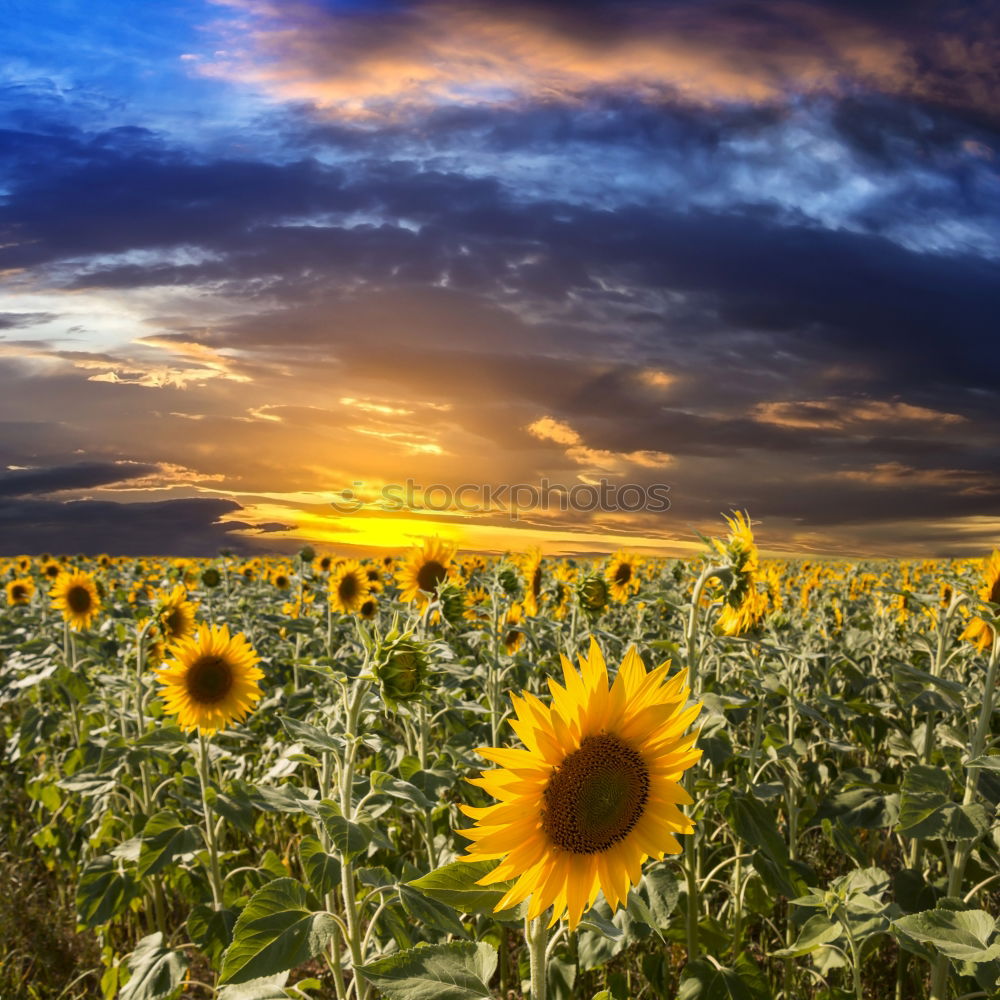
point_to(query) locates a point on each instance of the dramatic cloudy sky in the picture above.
(256, 252)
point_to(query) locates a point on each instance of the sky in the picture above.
(255, 254)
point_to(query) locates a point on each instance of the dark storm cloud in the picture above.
(167, 527)
(83, 475)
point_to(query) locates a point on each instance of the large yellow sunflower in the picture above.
(20, 591)
(979, 632)
(75, 595)
(622, 575)
(744, 605)
(348, 586)
(594, 792)
(425, 568)
(210, 679)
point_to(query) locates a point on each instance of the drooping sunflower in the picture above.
(75, 595)
(511, 633)
(531, 570)
(20, 591)
(744, 604)
(425, 568)
(594, 792)
(210, 679)
(348, 586)
(622, 575)
(177, 614)
(979, 632)
(592, 592)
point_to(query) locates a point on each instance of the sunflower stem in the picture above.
(963, 850)
(361, 684)
(536, 936)
(215, 873)
(692, 655)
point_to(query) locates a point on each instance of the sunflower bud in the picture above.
(509, 580)
(401, 669)
(307, 553)
(211, 577)
(452, 601)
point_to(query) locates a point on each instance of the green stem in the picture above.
(215, 873)
(939, 974)
(424, 757)
(692, 656)
(536, 936)
(361, 685)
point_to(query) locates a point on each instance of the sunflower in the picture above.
(75, 595)
(744, 605)
(622, 575)
(211, 679)
(531, 570)
(177, 614)
(20, 591)
(369, 608)
(594, 792)
(374, 579)
(477, 604)
(348, 586)
(51, 569)
(979, 632)
(510, 629)
(425, 568)
(593, 594)
(281, 578)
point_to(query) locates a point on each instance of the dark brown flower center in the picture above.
(430, 575)
(512, 638)
(209, 679)
(19, 592)
(368, 609)
(173, 621)
(536, 582)
(596, 796)
(79, 600)
(994, 597)
(623, 574)
(348, 587)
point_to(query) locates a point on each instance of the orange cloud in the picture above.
(381, 63)
(839, 412)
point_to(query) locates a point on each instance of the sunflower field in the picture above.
(448, 777)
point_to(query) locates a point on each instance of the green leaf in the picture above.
(399, 789)
(156, 971)
(455, 884)
(275, 932)
(457, 971)
(310, 736)
(430, 913)
(103, 892)
(164, 837)
(268, 988)
(211, 929)
(322, 870)
(816, 932)
(926, 809)
(703, 980)
(349, 838)
(963, 935)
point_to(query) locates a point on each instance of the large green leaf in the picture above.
(348, 837)
(926, 809)
(816, 932)
(458, 971)
(155, 971)
(428, 912)
(455, 884)
(704, 980)
(964, 935)
(322, 869)
(164, 838)
(103, 891)
(276, 931)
